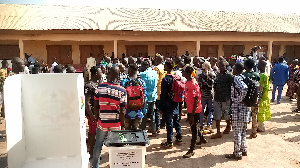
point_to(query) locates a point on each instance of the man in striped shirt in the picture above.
(110, 102)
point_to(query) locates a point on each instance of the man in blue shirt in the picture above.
(280, 72)
(150, 77)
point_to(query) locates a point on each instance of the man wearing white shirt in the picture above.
(53, 65)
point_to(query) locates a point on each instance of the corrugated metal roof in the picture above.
(45, 17)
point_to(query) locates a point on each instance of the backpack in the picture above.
(135, 94)
(253, 94)
(178, 89)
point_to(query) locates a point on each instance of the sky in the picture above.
(265, 6)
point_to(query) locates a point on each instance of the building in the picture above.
(74, 33)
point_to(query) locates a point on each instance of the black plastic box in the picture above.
(127, 137)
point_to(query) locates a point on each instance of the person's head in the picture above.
(4, 64)
(249, 64)
(196, 61)
(159, 59)
(107, 59)
(122, 68)
(95, 73)
(58, 69)
(222, 65)
(187, 59)
(180, 64)
(139, 60)
(213, 61)
(238, 69)
(116, 61)
(18, 65)
(26, 56)
(280, 60)
(71, 69)
(103, 69)
(168, 66)
(124, 61)
(177, 59)
(262, 66)
(131, 60)
(187, 71)
(206, 66)
(132, 70)
(113, 73)
(145, 65)
(54, 59)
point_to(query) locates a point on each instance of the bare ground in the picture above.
(278, 147)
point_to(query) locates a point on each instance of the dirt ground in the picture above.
(278, 147)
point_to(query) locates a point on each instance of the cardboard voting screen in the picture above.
(45, 121)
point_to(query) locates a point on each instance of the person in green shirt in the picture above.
(249, 64)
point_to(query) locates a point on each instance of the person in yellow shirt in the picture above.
(159, 68)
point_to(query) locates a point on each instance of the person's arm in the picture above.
(96, 108)
(122, 116)
(88, 108)
(272, 72)
(286, 74)
(195, 105)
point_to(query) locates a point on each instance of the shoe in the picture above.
(227, 130)
(272, 100)
(278, 102)
(296, 110)
(232, 156)
(244, 153)
(158, 131)
(253, 135)
(189, 154)
(209, 128)
(167, 145)
(259, 130)
(217, 135)
(178, 141)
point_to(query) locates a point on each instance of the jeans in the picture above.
(172, 120)
(154, 116)
(100, 136)
(206, 101)
(156, 111)
(280, 87)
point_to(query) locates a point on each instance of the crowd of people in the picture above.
(125, 94)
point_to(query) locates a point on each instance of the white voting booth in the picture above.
(45, 121)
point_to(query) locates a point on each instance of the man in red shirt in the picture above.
(109, 106)
(194, 107)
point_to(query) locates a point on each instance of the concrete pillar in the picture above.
(75, 54)
(220, 50)
(270, 46)
(282, 50)
(198, 48)
(116, 49)
(21, 47)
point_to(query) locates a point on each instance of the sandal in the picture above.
(296, 110)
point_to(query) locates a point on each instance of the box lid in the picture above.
(127, 137)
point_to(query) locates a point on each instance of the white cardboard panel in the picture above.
(53, 119)
(14, 122)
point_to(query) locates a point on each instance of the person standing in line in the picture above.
(90, 88)
(280, 72)
(159, 68)
(264, 110)
(194, 107)
(241, 114)
(109, 107)
(249, 65)
(53, 65)
(150, 77)
(206, 80)
(132, 84)
(169, 108)
(221, 104)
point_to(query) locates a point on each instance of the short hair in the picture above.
(146, 63)
(239, 66)
(169, 63)
(133, 67)
(280, 60)
(188, 69)
(94, 70)
(4, 62)
(187, 59)
(58, 69)
(249, 63)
